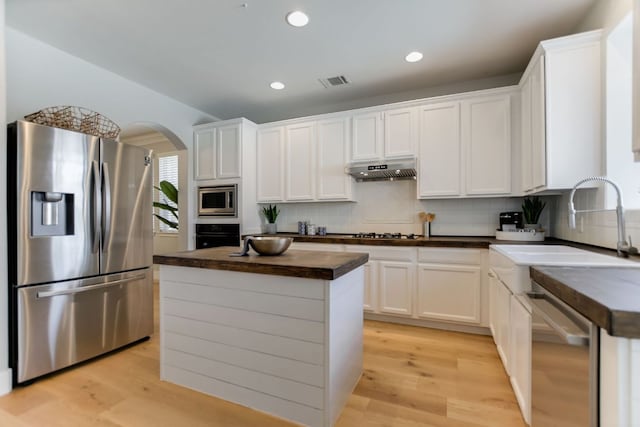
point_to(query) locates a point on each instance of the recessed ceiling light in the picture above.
(413, 57)
(277, 85)
(297, 18)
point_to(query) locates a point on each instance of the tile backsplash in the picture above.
(598, 228)
(392, 207)
(383, 206)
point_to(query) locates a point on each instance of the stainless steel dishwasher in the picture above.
(564, 359)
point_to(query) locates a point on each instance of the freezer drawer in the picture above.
(64, 323)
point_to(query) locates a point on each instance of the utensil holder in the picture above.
(427, 229)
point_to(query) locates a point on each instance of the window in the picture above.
(167, 170)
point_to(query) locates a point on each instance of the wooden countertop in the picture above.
(609, 297)
(296, 263)
(474, 242)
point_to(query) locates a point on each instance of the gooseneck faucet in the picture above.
(624, 248)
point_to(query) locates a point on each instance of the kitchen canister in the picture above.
(311, 229)
(302, 228)
(322, 230)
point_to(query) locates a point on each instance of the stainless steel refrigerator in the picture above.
(80, 247)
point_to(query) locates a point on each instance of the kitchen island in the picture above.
(279, 334)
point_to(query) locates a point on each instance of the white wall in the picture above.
(40, 75)
(597, 228)
(5, 373)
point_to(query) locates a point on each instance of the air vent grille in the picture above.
(334, 81)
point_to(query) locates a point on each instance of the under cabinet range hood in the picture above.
(392, 170)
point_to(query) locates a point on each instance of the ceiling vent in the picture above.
(334, 81)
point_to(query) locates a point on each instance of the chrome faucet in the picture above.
(624, 248)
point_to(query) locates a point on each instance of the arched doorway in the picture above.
(170, 163)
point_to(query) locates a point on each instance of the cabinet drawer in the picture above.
(450, 256)
(386, 253)
(327, 247)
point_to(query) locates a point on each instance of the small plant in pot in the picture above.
(532, 208)
(270, 213)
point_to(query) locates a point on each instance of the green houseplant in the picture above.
(270, 213)
(532, 208)
(169, 203)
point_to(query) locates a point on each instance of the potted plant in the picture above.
(270, 213)
(169, 203)
(532, 208)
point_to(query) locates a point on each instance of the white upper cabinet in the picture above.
(561, 113)
(465, 146)
(217, 148)
(367, 136)
(333, 147)
(228, 151)
(400, 133)
(439, 152)
(391, 134)
(270, 164)
(486, 138)
(205, 152)
(304, 162)
(300, 162)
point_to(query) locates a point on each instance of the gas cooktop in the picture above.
(385, 236)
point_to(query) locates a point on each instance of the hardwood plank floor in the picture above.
(412, 377)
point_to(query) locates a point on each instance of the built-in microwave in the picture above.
(221, 200)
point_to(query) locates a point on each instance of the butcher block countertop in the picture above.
(295, 263)
(608, 296)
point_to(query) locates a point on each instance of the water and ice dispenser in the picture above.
(51, 213)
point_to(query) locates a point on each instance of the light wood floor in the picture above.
(412, 377)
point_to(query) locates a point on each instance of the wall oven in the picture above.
(214, 235)
(564, 359)
(221, 200)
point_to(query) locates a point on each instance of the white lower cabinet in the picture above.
(449, 292)
(500, 319)
(521, 355)
(449, 285)
(510, 324)
(370, 286)
(395, 284)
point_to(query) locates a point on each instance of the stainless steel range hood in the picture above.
(393, 170)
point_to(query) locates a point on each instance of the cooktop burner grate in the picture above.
(385, 236)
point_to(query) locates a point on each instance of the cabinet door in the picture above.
(228, 151)
(503, 307)
(520, 320)
(300, 162)
(439, 150)
(525, 138)
(493, 306)
(395, 284)
(538, 126)
(486, 139)
(205, 154)
(400, 133)
(367, 136)
(333, 155)
(370, 286)
(449, 292)
(270, 165)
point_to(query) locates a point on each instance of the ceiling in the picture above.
(219, 56)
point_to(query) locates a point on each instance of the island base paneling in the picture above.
(288, 346)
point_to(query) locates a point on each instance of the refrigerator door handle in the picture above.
(96, 191)
(48, 294)
(106, 205)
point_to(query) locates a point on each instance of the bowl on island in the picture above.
(270, 245)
